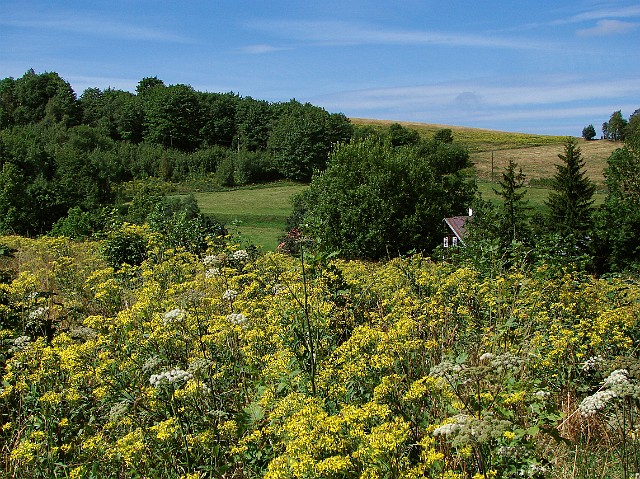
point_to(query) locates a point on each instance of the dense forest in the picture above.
(60, 152)
(139, 339)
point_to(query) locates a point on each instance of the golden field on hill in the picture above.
(536, 154)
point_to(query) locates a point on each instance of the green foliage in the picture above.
(125, 245)
(253, 119)
(621, 223)
(180, 224)
(39, 97)
(616, 127)
(571, 203)
(172, 117)
(398, 135)
(79, 224)
(513, 221)
(632, 134)
(589, 132)
(374, 200)
(219, 111)
(302, 137)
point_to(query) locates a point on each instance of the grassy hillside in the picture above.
(536, 154)
(258, 213)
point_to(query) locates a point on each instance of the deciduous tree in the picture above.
(589, 132)
(375, 200)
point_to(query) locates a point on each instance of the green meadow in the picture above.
(258, 213)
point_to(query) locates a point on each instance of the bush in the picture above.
(126, 245)
(80, 224)
(375, 200)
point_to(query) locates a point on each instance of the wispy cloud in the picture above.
(608, 27)
(632, 11)
(489, 94)
(98, 27)
(492, 103)
(260, 49)
(341, 33)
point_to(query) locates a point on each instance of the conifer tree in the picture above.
(571, 202)
(512, 223)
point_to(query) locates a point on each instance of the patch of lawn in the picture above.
(535, 195)
(257, 213)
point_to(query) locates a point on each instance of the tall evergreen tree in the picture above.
(512, 218)
(571, 202)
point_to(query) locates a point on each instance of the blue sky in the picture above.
(538, 67)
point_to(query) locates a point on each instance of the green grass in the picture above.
(257, 213)
(535, 195)
(536, 154)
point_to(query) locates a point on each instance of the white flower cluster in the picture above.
(592, 363)
(237, 319)
(169, 377)
(200, 365)
(20, 343)
(446, 369)
(210, 260)
(212, 272)
(487, 357)
(38, 313)
(592, 404)
(173, 316)
(460, 421)
(118, 410)
(616, 385)
(151, 363)
(507, 361)
(277, 288)
(83, 332)
(542, 394)
(534, 470)
(240, 255)
(230, 294)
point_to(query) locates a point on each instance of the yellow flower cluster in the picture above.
(228, 365)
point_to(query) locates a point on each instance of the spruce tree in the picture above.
(571, 202)
(513, 220)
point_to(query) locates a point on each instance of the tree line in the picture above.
(617, 128)
(59, 151)
(571, 232)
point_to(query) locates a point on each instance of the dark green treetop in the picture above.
(571, 202)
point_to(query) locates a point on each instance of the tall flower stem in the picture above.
(307, 321)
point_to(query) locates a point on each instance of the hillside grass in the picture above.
(536, 154)
(257, 213)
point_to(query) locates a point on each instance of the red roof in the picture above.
(457, 225)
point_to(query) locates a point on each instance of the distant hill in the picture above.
(536, 154)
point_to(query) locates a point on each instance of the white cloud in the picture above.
(608, 27)
(620, 12)
(340, 33)
(483, 94)
(504, 104)
(260, 49)
(98, 27)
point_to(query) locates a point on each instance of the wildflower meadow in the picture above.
(233, 364)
